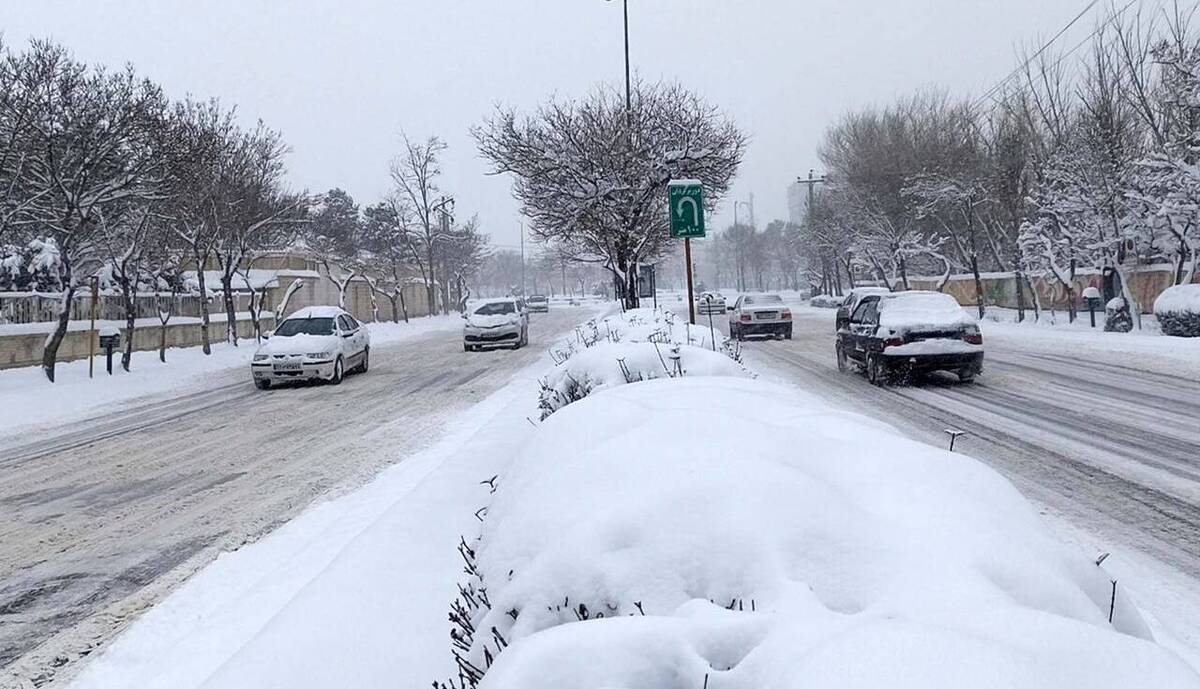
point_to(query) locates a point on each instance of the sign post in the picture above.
(686, 203)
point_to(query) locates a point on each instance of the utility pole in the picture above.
(812, 182)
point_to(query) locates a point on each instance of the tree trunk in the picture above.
(130, 324)
(200, 265)
(403, 306)
(1071, 294)
(1020, 297)
(230, 309)
(50, 351)
(978, 284)
(395, 308)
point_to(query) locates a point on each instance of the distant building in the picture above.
(797, 195)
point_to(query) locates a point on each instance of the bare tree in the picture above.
(252, 211)
(205, 137)
(593, 177)
(91, 147)
(417, 197)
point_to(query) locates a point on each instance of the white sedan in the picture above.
(319, 342)
(496, 323)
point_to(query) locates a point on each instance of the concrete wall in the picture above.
(322, 292)
(26, 350)
(1001, 289)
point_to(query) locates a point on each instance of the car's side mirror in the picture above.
(463, 315)
(267, 335)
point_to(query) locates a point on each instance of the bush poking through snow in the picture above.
(1117, 318)
(638, 345)
(1178, 310)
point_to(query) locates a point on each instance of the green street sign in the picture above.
(686, 200)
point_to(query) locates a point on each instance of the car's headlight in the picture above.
(261, 357)
(320, 355)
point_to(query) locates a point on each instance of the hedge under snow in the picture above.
(1178, 310)
(637, 345)
(729, 533)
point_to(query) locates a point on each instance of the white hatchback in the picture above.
(321, 342)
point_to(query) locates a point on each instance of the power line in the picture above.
(1037, 54)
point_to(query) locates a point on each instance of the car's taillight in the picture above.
(745, 317)
(786, 315)
(972, 336)
(893, 342)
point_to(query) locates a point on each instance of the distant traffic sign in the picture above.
(686, 198)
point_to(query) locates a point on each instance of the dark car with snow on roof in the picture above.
(906, 333)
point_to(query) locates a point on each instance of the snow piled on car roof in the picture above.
(675, 534)
(907, 310)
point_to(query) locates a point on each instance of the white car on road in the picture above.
(710, 304)
(321, 342)
(496, 323)
(760, 314)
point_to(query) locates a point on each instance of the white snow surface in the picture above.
(30, 401)
(933, 346)
(1179, 299)
(856, 558)
(906, 311)
(637, 345)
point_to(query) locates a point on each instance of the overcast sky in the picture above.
(340, 79)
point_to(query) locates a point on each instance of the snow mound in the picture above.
(740, 534)
(1178, 310)
(638, 345)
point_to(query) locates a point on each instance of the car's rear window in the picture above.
(305, 326)
(498, 308)
(763, 299)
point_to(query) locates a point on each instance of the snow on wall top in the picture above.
(317, 312)
(713, 544)
(1179, 299)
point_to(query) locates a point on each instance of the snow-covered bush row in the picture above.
(637, 345)
(729, 533)
(1178, 310)
(825, 301)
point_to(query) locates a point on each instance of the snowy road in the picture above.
(101, 518)
(1107, 443)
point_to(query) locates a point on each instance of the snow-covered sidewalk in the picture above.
(30, 401)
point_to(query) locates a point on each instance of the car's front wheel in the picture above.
(366, 361)
(262, 384)
(966, 375)
(338, 372)
(843, 363)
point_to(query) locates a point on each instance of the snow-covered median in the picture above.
(637, 345)
(730, 533)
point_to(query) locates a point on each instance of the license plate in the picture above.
(764, 316)
(286, 366)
